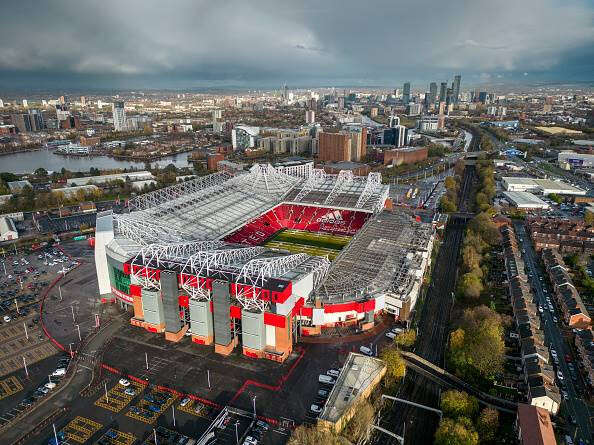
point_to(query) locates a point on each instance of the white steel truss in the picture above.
(344, 178)
(258, 270)
(374, 181)
(276, 183)
(316, 178)
(143, 231)
(381, 201)
(153, 199)
(319, 266)
(203, 263)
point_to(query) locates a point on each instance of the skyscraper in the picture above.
(310, 116)
(443, 91)
(456, 88)
(406, 93)
(83, 101)
(119, 116)
(394, 121)
(432, 93)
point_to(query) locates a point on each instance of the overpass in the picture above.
(445, 379)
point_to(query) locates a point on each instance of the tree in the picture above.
(447, 205)
(479, 349)
(589, 217)
(456, 404)
(41, 172)
(456, 432)
(470, 285)
(396, 368)
(305, 435)
(358, 426)
(406, 339)
(487, 424)
(555, 197)
(471, 259)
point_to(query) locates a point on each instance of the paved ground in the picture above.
(280, 391)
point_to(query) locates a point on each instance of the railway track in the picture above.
(415, 424)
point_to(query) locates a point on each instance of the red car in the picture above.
(567, 358)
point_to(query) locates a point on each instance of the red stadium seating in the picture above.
(293, 216)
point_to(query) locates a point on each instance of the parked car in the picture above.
(333, 372)
(124, 382)
(59, 372)
(315, 408)
(390, 334)
(184, 401)
(365, 350)
(129, 392)
(326, 379)
(559, 375)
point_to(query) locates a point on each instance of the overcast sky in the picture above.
(195, 43)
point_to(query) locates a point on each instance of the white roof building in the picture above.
(8, 230)
(102, 179)
(544, 186)
(525, 200)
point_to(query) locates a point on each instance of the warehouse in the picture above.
(570, 159)
(103, 179)
(542, 186)
(525, 200)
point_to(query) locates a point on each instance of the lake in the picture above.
(28, 162)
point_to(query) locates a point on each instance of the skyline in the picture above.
(200, 45)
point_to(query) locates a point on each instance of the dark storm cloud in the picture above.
(262, 41)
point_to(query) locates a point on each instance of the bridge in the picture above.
(445, 379)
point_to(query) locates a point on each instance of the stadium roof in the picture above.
(378, 258)
(211, 207)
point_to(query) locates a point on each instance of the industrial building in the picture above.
(542, 186)
(8, 230)
(190, 258)
(104, 179)
(526, 200)
(570, 159)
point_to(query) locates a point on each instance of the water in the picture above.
(28, 162)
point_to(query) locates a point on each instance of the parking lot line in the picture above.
(80, 429)
(117, 399)
(146, 415)
(9, 386)
(120, 439)
(190, 408)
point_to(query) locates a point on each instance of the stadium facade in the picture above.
(190, 258)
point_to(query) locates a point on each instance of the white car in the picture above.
(315, 408)
(555, 319)
(59, 372)
(540, 309)
(6, 319)
(184, 401)
(559, 375)
(50, 385)
(565, 395)
(390, 335)
(365, 350)
(124, 382)
(333, 372)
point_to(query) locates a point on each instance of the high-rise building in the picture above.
(334, 147)
(341, 103)
(310, 116)
(1, 103)
(22, 122)
(443, 89)
(406, 93)
(414, 109)
(119, 116)
(25, 103)
(432, 93)
(456, 88)
(217, 114)
(83, 101)
(37, 123)
(62, 100)
(394, 121)
(358, 144)
(483, 97)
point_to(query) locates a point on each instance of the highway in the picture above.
(553, 335)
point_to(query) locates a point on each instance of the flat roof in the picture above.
(356, 375)
(525, 199)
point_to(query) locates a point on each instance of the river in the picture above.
(28, 162)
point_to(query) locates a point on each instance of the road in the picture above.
(574, 405)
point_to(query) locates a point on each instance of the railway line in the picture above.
(414, 424)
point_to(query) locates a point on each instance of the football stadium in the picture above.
(259, 258)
